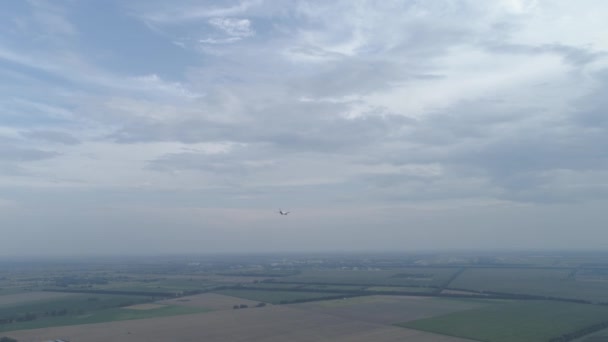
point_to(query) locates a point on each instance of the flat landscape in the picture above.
(508, 298)
(277, 297)
(210, 301)
(515, 321)
(388, 309)
(269, 324)
(561, 283)
(27, 297)
(397, 277)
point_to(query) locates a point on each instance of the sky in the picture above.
(155, 127)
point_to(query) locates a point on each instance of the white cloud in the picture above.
(374, 108)
(108, 165)
(197, 12)
(220, 41)
(472, 75)
(234, 27)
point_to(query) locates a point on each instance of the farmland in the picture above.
(515, 321)
(396, 277)
(599, 336)
(541, 282)
(429, 297)
(388, 309)
(106, 315)
(27, 297)
(399, 289)
(274, 323)
(276, 297)
(210, 301)
(65, 309)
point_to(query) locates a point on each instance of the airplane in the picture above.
(283, 212)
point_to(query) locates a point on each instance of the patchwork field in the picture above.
(333, 287)
(269, 324)
(165, 285)
(211, 301)
(66, 309)
(599, 336)
(515, 321)
(274, 285)
(415, 276)
(147, 306)
(400, 289)
(388, 309)
(461, 292)
(320, 298)
(211, 317)
(27, 297)
(276, 297)
(11, 290)
(542, 282)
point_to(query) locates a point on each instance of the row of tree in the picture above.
(30, 316)
(245, 306)
(580, 332)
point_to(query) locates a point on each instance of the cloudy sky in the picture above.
(157, 127)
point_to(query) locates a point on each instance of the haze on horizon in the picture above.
(151, 127)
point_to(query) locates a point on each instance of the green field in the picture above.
(316, 287)
(163, 285)
(598, 336)
(399, 277)
(273, 285)
(73, 304)
(541, 282)
(61, 309)
(335, 287)
(108, 315)
(11, 290)
(515, 321)
(400, 289)
(275, 297)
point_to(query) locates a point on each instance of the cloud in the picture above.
(193, 12)
(67, 69)
(353, 113)
(13, 153)
(48, 21)
(52, 136)
(220, 41)
(234, 27)
(571, 54)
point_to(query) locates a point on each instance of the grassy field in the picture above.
(209, 301)
(274, 297)
(72, 303)
(400, 289)
(164, 285)
(334, 287)
(11, 290)
(542, 282)
(108, 315)
(398, 277)
(60, 308)
(598, 336)
(389, 309)
(514, 321)
(274, 286)
(20, 298)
